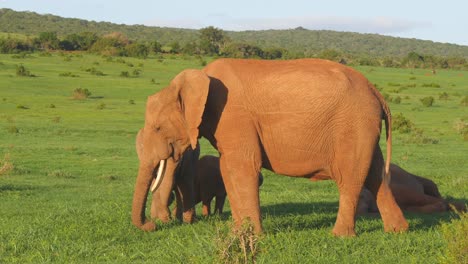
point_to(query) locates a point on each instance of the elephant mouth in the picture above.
(159, 176)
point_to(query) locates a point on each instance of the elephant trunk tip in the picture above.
(147, 226)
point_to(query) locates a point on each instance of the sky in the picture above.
(440, 21)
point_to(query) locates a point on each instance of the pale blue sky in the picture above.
(441, 21)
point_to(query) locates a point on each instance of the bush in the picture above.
(22, 107)
(433, 85)
(136, 72)
(124, 74)
(401, 123)
(443, 96)
(13, 130)
(68, 74)
(22, 71)
(464, 101)
(427, 101)
(94, 71)
(80, 93)
(131, 101)
(101, 106)
(397, 100)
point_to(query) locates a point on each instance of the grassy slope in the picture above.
(69, 197)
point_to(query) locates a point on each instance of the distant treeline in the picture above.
(212, 42)
(297, 42)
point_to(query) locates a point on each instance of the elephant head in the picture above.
(172, 121)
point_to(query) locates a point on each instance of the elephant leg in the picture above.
(241, 181)
(177, 210)
(349, 171)
(348, 203)
(410, 200)
(391, 214)
(206, 205)
(219, 204)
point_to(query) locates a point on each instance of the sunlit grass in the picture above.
(66, 194)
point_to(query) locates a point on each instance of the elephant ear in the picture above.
(192, 90)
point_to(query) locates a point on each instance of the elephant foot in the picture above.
(457, 206)
(188, 216)
(148, 226)
(397, 227)
(343, 231)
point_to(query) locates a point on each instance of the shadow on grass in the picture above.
(317, 215)
(16, 188)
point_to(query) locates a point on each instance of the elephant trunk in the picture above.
(144, 179)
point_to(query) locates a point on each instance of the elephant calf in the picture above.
(209, 184)
(412, 193)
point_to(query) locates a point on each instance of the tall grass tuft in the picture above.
(81, 93)
(241, 245)
(6, 165)
(454, 234)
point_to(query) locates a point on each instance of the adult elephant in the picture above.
(181, 182)
(297, 118)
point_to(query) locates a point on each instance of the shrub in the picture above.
(401, 123)
(443, 96)
(60, 174)
(464, 101)
(22, 71)
(81, 93)
(387, 97)
(56, 119)
(131, 101)
(94, 71)
(13, 130)
(101, 106)
(136, 72)
(51, 106)
(427, 101)
(68, 74)
(397, 100)
(433, 85)
(22, 107)
(124, 74)
(417, 137)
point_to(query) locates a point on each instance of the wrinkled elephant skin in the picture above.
(298, 118)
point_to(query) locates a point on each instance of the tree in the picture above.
(137, 50)
(212, 40)
(174, 47)
(48, 40)
(155, 47)
(81, 41)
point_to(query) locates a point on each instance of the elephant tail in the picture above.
(387, 117)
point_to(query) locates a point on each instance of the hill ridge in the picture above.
(309, 42)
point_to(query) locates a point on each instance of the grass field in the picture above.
(68, 167)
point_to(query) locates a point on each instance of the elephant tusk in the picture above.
(159, 176)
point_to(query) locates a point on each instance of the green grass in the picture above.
(66, 194)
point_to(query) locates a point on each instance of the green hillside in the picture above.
(309, 42)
